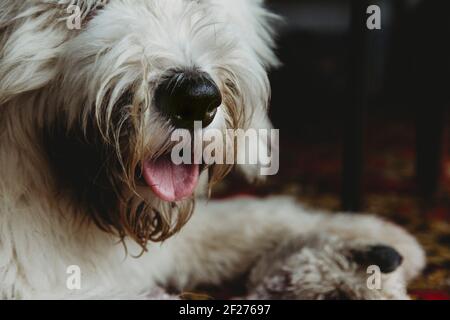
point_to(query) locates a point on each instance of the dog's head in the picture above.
(117, 87)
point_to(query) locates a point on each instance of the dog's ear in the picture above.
(256, 25)
(29, 44)
(32, 36)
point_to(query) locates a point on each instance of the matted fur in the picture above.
(77, 121)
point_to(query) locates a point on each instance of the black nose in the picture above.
(187, 97)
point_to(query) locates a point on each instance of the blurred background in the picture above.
(363, 118)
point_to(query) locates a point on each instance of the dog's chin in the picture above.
(168, 181)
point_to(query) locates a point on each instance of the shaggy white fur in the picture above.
(59, 94)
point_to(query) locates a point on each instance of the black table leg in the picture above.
(355, 113)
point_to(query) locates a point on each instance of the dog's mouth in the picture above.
(168, 181)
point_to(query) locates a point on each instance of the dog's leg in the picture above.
(225, 239)
(320, 266)
(371, 229)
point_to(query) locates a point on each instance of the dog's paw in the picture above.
(324, 267)
(386, 258)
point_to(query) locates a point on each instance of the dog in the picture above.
(90, 93)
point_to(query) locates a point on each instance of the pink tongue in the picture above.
(171, 182)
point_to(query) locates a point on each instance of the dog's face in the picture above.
(135, 72)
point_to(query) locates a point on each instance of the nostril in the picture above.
(188, 97)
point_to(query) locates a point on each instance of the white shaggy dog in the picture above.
(86, 116)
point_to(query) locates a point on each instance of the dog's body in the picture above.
(71, 161)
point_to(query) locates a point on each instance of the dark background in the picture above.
(363, 118)
(347, 95)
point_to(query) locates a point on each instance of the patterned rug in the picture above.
(430, 225)
(311, 172)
